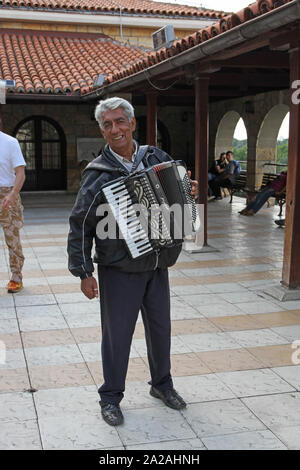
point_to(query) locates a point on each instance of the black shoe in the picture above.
(111, 413)
(218, 198)
(169, 397)
(280, 222)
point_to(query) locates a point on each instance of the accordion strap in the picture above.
(143, 149)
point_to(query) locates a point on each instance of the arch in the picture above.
(225, 132)
(266, 144)
(43, 144)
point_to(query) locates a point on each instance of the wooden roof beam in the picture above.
(277, 60)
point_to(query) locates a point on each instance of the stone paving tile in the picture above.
(290, 436)
(67, 433)
(14, 359)
(7, 313)
(13, 380)
(53, 355)
(180, 444)
(11, 340)
(23, 435)
(262, 306)
(254, 382)
(81, 308)
(42, 322)
(137, 396)
(208, 342)
(58, 376)
(195, 389)
(17, 406)
(253, 338)
(67, 401)
(36, 339)
(80, 320)
(25, 300)
(154, 425)
(271, 356)
(6, 301)
(86, 334)
(290, 333)
(217, 418)
(189, 290)
(235, 322)
(255, 440)
(291, 374)
(219, 309)
(233, 360)
(73, 297)
(188, 364)
(279, 410)
(193, 326)
(277, 319)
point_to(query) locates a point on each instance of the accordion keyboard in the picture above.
(120, 202)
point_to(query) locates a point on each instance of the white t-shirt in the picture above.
(10, 157)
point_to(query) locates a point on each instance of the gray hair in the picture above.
(110, 104)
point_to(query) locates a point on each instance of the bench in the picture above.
(240, 185)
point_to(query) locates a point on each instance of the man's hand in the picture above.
(8, 201)
(89, 287)
(195, 186)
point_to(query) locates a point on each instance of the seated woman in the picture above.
(275, 188)
(225, 178)
(218, 166)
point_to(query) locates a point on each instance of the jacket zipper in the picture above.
(157, 255)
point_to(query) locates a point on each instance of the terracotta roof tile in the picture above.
(46, 62)
(226, 23)
(133, 7)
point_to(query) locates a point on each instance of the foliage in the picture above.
(240, 150)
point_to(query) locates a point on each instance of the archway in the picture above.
(225, 132)
(43, 145)
(266, 144)
(283, 145)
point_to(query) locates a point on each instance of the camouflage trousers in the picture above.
(11, 221)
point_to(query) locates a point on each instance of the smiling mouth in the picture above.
(118, 138)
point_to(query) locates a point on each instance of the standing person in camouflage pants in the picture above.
(12, 177)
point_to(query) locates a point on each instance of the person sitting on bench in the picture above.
(275, 188)
(226, 179)
(218, 166)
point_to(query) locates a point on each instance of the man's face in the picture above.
(117, 130)
(230, 156)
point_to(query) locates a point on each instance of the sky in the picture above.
(228, 5)
(241, 134)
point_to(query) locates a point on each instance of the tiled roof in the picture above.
(131, 7)
(52, 62)
(228, 22)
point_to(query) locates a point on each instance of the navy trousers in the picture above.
(122, 295)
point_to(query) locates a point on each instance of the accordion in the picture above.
(153, 207)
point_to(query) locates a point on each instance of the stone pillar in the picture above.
(291, 258)
(201, 144)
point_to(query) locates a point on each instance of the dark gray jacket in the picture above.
(83, 222)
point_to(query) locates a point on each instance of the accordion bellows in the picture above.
(153, 207)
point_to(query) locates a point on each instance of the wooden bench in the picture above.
(240, 185)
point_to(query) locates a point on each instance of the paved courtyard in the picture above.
(231, 347)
